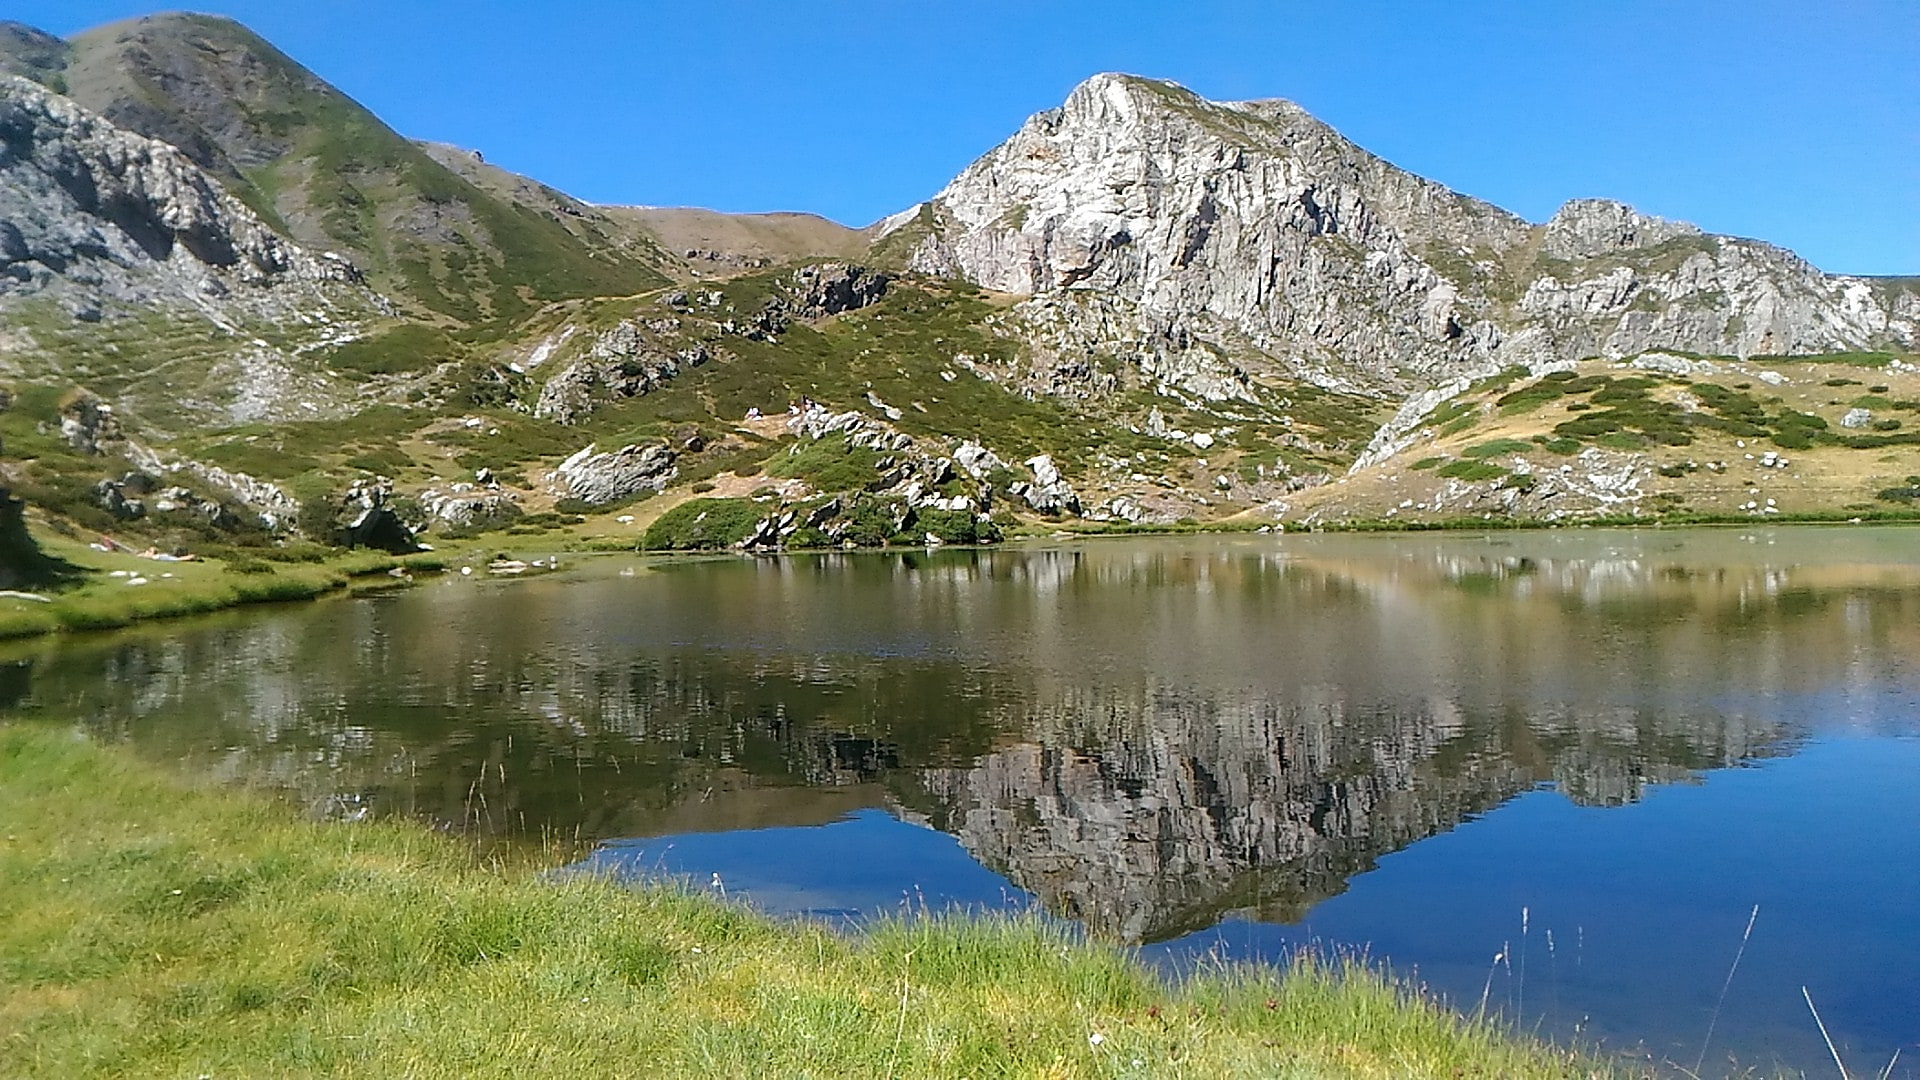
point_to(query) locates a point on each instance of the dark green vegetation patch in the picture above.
(704, 524)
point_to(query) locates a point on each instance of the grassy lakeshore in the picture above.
(151, 928)
(105, 589)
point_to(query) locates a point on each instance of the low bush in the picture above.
(703, 524)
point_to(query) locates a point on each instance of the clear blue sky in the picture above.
(1793, 121)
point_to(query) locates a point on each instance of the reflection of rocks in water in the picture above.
(1183, 808)
(851, 759)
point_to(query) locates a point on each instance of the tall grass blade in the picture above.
(1831, 1049)
(1724, 987)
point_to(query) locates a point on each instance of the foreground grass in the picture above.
(147, 928)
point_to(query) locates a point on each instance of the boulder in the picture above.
(604, 478)
(976, 460)
(365, 518)
(1049, 492)
(466, 506)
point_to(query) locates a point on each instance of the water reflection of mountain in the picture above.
(1144, 734)
(1171, 810)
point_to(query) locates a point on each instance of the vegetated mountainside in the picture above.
(1144, 308)
(125, 267)
(326, 171)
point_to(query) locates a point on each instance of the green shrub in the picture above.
(381, 461)
(1496, 447)
(703, 524)
(829, 464)
(412, 347)
(875, 522)
(1472, 471)
(956, 526)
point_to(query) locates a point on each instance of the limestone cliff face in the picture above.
(1273, 241)
(90, 213)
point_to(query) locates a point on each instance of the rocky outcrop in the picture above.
(1203, 239)
(826, 289)
(466, 506)
(917, 477)
(88, 424)
(91, 212)
(136, 495)
(631, 359)
(275, 509)
(366, 517)
(598, 478)
(638, 355)
(1049, 493)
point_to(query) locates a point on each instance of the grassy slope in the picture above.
(155, 930)
(779, 237)
(1701, 438)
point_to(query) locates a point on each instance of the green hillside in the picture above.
(319, 166)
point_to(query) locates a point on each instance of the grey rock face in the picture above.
(1210, 240)
(825, 289)
(469, 506)
(1049, 493)
(1586, 228)
(976, 460)
(366, 518)
(627, 361)
(99, 210)
(603, 478)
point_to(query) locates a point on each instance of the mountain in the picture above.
(121, 262)
(222, 277)
(1255, 235)
(327, 172)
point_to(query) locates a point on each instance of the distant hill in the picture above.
(710, 241)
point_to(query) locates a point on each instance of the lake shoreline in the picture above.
(112, 590)
(98, 601)
(159, 927)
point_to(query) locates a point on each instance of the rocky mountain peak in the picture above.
(1258, 239)
(1586, 228)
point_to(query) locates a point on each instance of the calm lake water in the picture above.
(1554, 773)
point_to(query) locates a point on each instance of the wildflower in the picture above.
(1096, 1039)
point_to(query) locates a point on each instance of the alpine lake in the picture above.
(1650, 790)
